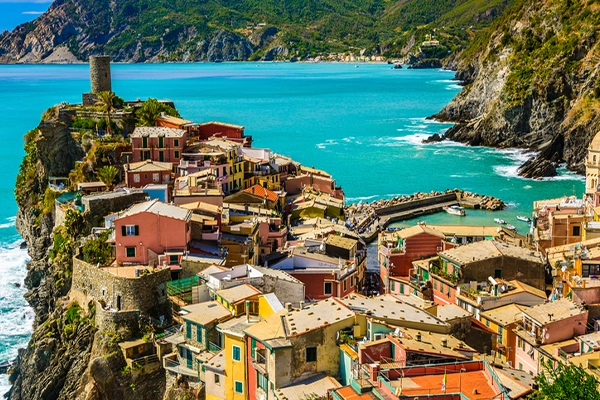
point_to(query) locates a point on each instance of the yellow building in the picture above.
(239, 298)
(502, 320)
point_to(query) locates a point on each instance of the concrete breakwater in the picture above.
(369, 218)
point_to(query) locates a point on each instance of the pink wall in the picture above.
(157, 233)
(169, 149)
(374, 352)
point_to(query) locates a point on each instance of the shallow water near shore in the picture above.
(363, 125)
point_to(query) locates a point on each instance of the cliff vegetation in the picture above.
(186, 30)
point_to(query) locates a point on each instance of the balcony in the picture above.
(214, 236)
(170, 363)
(213, 347)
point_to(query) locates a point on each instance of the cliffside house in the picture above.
(160, 144)
(140, 174)
(152, 232)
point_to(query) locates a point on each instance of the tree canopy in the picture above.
(565, 382)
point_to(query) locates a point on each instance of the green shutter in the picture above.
(188, 330)
(198, 334)
(253, 348)
(401, 289)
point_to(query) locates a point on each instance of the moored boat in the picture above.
(523, 218)
(511, 227)
(499, 221)
(455, 210)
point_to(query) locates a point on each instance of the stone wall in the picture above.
(124, 322)
(147, 293)
(102, 204)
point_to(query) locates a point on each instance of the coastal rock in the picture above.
(435, 138)
(275, 52)
(426, 63)
(515, 97)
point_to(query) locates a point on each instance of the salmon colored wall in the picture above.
(157, 233)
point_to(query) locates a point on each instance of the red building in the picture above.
(150, 229)
(147, 172)
(231, 132)
(398, 249)
(175, 122)
(323, 275)
(158, 143)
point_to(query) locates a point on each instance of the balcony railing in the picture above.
(211, 235)
(213, 347)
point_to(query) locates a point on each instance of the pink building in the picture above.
(151, 229)
(138, 175)
(544, 324)
(158, 143)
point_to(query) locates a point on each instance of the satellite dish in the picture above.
(547, 336)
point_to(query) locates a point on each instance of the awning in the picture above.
(175, 267)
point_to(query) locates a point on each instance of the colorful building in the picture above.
(138, 175)
(157, 144)
(150, 229)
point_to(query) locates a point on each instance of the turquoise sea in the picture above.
(362, 124)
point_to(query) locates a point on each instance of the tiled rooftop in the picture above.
(317, 384)
(239, 293)
(260, 191)
(156, 131)
(148, 166)
(553, 311)
(158, 208)
(316, 315)
(488, 249)
(205, 313)
(504, 315)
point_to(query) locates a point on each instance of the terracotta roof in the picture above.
(174, 120)
(553, 311)
(223, 124)
(504, 315)
(260, 191)
(341, 242)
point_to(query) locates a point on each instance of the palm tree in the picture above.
(107, 175)
(151, 109)
(106, 100)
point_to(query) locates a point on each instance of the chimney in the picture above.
(247, 311)
(288, 307)
(302, 305)
(418, 336)
(444, 342)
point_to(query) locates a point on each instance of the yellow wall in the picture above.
(235, 370)
(264, 308)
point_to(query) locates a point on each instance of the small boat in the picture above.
(397, 66)
(6, 365)
(455, 210)
(510, 227)
(499, 221)
(523, 218)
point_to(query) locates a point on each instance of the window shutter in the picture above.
(123, 231)
(137, 230)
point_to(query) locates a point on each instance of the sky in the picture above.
(15, 12)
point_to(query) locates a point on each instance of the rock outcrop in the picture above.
(533, 84)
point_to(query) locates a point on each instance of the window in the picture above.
(487, 323)
(393, 286)
(173, 259)
(497, 273)
(345, 284)
(521, 366)
(311, 354)
(351, 281)
(521, 344)
(401, 288)
(145, 142)
(175, 143)
(161, 142)
(166, 178)
(237, 353)
(161, 156)
(188, 330)
(155, 177)
(176, 154)
(434, 285)
(130, 230)
(262, 382)
(239, 387)
(136, 178)
(576, 230)
(198, 334)
(217, 380)
(328, 288)
(129, 251)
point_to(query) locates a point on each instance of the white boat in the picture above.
(455, 210)
(499, 221)
(523, 218)
(511, 227)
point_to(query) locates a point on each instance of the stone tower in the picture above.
(100, 74)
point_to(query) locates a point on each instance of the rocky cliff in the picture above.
(532, 82)
(68, 357)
